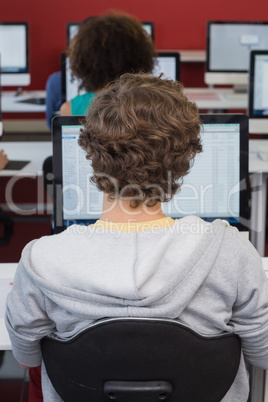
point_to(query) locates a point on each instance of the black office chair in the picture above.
(137, 360)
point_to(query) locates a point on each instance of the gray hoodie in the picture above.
(205, 274)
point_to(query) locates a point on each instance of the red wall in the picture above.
(178, 25)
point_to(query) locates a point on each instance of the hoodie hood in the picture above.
(109, 270)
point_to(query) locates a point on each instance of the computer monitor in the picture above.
(216, 186)
(149, 28)
(258, 92)
(229, 44)
(14, 50)
(166, 63)
(72, 28)
(69, 86)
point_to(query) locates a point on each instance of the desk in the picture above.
(192, 56)
(258, 126)
(36, 152)
(205, 98)
(217, 98)
(11, 103)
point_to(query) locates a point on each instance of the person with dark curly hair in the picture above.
(141, 134)
(104, 48)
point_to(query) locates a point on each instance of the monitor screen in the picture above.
(214, 188)
(14, 52)
(166, 63)
(258, 92)
(72, 28)
(149, 28)
(229, 44)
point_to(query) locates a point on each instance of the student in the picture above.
(104, 48)
(141, 134)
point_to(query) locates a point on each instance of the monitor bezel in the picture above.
(241, 119)
(251, 114)
(208, 40)
(27, 70)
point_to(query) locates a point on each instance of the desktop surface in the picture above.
(34, 153)
(217, 98)
(24, 102)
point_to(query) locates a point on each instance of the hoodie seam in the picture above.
(133, 267)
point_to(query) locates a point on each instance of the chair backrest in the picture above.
(134, 359)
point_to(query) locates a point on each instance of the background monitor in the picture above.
(72, 28)
(166, 63)
(258, 92)
(229, 44)
(69, 86)
(216, 186)
(14, 50)
(149, 28)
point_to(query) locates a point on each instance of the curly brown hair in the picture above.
(141, 134)
(108, 46)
